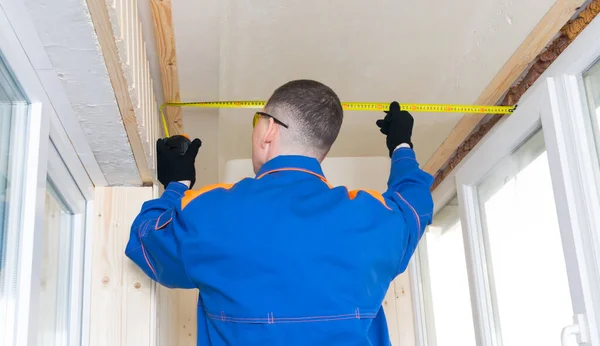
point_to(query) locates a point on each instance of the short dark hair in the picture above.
(312, 111)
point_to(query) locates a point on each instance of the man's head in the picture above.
(302, 117)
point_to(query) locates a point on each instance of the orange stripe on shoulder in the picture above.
(190, 195)
(375, 194)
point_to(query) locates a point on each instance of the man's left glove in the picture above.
(175, 158)
(397, 126)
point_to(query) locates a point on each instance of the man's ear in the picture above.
(271, 132)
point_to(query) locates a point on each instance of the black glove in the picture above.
(175, 157)
(397, 126)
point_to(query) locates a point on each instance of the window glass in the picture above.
(526, 265)
(13, 118)
(447, 302)
(592, 86)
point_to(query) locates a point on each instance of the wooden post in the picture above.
(165, 42)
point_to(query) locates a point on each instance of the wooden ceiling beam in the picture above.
(165, 43)
(106, 37)
(532, 46)
(568, 34)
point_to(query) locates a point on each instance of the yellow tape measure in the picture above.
(350, 106)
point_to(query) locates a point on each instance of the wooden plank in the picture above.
(403, 301)
(165, 43)
(167, 309)
(537, 40)
(188, 329)
(167, 314)
(391, 314)
(120, 312)
(106, 37)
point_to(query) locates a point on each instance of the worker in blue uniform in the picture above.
(284, 258)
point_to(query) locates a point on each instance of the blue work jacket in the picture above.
(285, 258)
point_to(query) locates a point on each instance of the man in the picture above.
(284, 258)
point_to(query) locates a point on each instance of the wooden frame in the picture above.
(527, 53)
(165, 42)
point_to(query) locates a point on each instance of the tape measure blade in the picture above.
(244, 104)
(363, 106)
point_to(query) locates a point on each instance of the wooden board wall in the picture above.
(187, 328)
(167, 317)
(124, 308)
(397, 305)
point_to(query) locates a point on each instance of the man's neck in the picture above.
(297, 152)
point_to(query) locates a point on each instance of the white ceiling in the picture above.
(435, 51)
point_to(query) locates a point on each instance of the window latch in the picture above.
(578, 328)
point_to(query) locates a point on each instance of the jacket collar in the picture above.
(292, 163)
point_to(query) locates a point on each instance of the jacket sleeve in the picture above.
(409, 190)
(156, 239)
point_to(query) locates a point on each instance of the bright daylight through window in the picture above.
(527, 271)
(592, 86)
(445, 283)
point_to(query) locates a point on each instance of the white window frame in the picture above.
(72, 197)
(498, 145)
(51, 124)
(557, 103)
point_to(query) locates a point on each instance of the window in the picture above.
(447, 303)
(59, 314)
(526, 266)
(592, 85)
(13, 114)
(44, 195)
(530, 211)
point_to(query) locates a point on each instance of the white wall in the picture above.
(354, 172)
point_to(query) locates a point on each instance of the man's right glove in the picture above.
(397, 126)
(175, 157)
